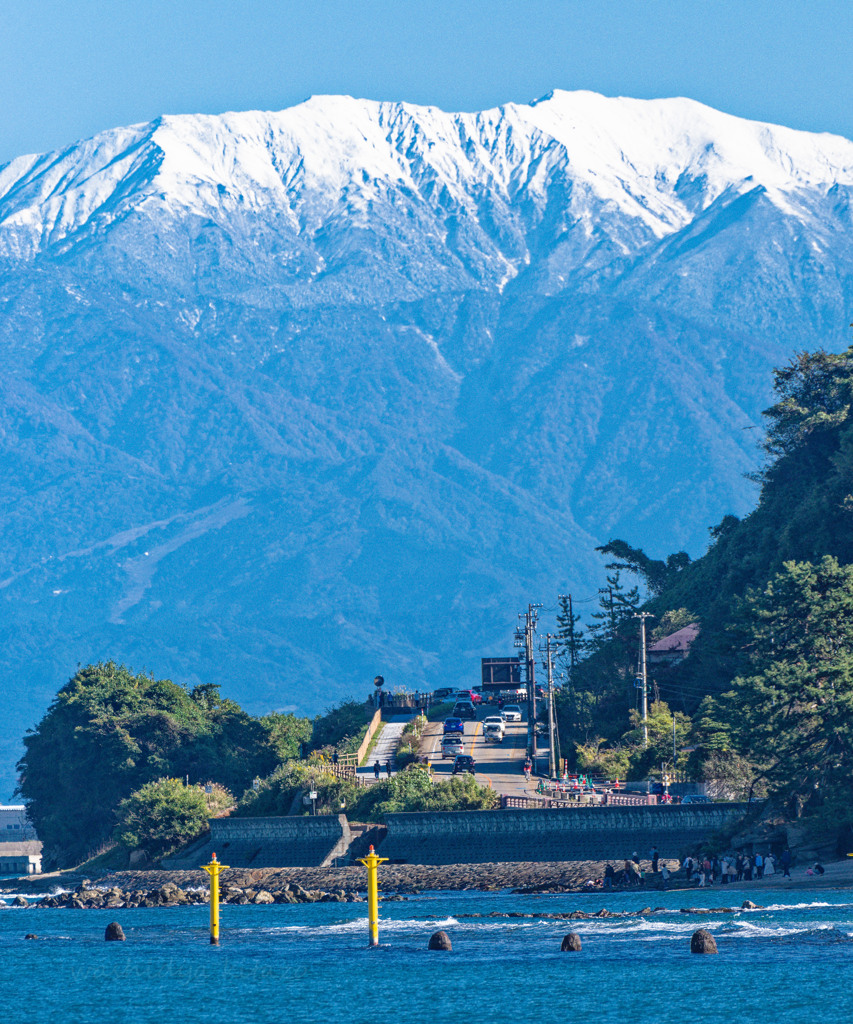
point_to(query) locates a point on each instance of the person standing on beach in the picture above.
(759, 866)
(786, 863)
(655, 861)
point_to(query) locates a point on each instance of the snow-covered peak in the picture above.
(659, 162)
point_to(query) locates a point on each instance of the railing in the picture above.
(345, 771)
(404, 701)
(566, 801)
(630, 800)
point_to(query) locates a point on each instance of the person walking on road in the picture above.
(377, 767)
(388, 769)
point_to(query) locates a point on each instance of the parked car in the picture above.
(511, 713)
(696, 798)
(465, 709)
(464, 763)
(451, 744)
(453, 725)
(494, 722)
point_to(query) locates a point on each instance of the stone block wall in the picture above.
(576, 834)
(299, 841)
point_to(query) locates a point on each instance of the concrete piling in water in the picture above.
(702, 941)
(571, 943)
(114, 932)
(440, 941)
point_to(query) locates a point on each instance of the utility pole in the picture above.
(553, 767)
(525, 638)
(673, 744)
(643, 682)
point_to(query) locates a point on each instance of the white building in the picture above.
(20, 850)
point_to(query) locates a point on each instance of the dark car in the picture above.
(443, 693)
(464, 763)
(454, 725)
(465, 710)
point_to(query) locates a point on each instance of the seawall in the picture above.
(300, 841)
(466, 837)
(576, 834)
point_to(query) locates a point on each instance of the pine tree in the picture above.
(793, 712)
(570, 638)
(616, 607)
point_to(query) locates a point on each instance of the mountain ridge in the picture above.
(288, 400)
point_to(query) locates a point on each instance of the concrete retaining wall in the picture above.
(581, 833)
(300, 841)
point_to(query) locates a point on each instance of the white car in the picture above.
(494, 722)
(511, 713)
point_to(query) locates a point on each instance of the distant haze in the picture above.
(292, 399)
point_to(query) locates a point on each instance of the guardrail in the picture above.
(568, 801)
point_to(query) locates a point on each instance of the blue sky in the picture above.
(73, 67)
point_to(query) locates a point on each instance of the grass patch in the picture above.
(440, 711)
(371, 745)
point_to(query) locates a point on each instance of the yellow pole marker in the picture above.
(213, 869)
(372, 862)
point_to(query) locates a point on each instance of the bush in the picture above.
(341, 728)
(275, 794)
(162, 815)
(410, 790)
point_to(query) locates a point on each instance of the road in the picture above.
(500, 766)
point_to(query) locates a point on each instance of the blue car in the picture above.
(454, 725)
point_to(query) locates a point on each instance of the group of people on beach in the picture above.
(704, 870)
(735, 867)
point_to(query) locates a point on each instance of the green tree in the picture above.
(110, 731)
(648, 759)
(570, 637)
(288, 733)
(342, 727)
(655, 573)
(616, 607)
(792, 711)
(163, 815)
(815, 390)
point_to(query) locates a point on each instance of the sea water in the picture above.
(789, 963)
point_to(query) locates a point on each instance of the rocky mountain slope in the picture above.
(290, 399)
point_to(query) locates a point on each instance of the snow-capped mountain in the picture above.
(293, 398)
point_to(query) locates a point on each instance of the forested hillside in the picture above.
(765, 696)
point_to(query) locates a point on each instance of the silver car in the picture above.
(451, 745)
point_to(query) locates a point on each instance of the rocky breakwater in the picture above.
(88, 897)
